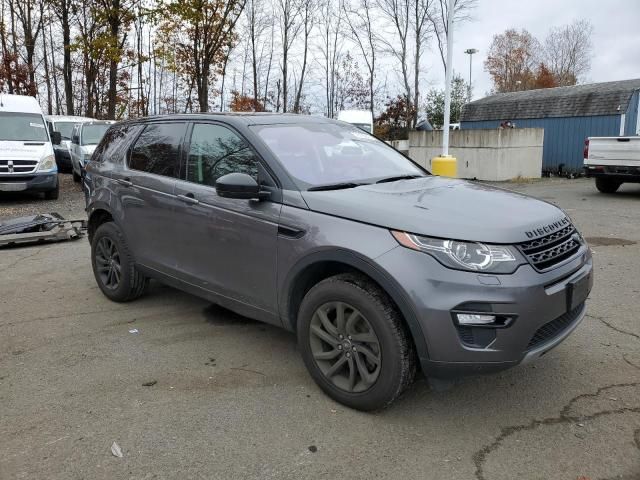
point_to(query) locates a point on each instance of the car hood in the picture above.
(443, 207)
(24, 150)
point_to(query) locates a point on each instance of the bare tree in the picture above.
(62, 9)
(399, 14)
(360, 20)
(30, 19)
(331, 36)
(567, 52)
(462, 12)
(307, 25)
(290, 24)
(258, 23)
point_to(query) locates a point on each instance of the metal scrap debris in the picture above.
(44, 227)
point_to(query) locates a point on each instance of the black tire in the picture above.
(394, 347)
(76, 177)
(53, 194)
(131, 283)
(606, 185)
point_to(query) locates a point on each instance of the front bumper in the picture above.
(537, 302)
(36, 182)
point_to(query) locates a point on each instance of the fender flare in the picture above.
(367, 267)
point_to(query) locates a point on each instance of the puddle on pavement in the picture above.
(608, 242)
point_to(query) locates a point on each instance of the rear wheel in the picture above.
(354, 342)
(606, 185)
(113, 265)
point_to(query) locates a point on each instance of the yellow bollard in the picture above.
(444, 166)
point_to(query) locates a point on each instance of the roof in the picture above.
(242, 118)
(19, 104)
(66, 118)
(609, 98)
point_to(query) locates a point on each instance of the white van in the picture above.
(63, 124)
(27, 161)
(363, 119)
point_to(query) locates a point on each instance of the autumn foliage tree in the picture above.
(511, 60)
(199, 33)
(518, 61)
(244, 103)
(394, 122)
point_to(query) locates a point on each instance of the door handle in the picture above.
(188, 198)
(124, 181)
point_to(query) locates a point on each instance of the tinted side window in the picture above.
(157, 149)
(215, 151)
(115, 142)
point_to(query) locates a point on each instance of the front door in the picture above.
(228, 245)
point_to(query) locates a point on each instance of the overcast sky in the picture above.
(616, 36)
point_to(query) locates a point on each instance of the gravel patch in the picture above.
(70, 203)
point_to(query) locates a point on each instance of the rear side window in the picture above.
(157, 149)
(115, 142)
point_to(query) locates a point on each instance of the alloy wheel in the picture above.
(345, 347)
(108, 263)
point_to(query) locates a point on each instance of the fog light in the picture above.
(475, 319)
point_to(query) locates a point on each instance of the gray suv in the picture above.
(316, 226)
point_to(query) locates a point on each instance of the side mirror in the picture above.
(56, 138)
(239, 185)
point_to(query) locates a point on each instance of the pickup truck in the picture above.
(612, 161)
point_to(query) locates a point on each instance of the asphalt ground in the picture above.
(229, 398)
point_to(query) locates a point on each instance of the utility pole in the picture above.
(470, 52)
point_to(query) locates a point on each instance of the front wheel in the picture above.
(76, 177)
(113, 265)
(606, 185)
(53, 194)
(354, 342)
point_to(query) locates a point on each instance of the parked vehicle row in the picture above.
(315, 226)
(34, 148)
(27, 159)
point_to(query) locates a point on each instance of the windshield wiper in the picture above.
(335, 186)
(399, 177)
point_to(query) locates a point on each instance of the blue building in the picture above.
(568, 115)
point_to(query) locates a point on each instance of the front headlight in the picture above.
(47, 163)
(472, 256)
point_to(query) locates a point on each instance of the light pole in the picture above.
(447, 81)
(470, 52)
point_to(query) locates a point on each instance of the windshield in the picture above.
(92, 134)
(22, 127)
(325, 153)
(65, 129)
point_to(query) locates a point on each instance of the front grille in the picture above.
(546, 252)
(555, 327)
(18, 166)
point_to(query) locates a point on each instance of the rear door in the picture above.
(228, 245)
(146, 187)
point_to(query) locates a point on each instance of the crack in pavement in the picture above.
(619, 330)
(481, 455)
(25, 257)
(624, 357)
